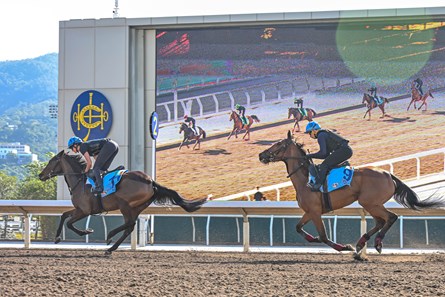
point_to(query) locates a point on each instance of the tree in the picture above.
(8, 186)
(33, 189)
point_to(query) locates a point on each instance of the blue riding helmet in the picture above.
(312, 126)
(74, 140)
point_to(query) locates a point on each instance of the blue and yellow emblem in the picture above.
(91, 116)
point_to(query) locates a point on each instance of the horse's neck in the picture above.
(298, 177)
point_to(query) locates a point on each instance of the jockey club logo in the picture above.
(91, 116)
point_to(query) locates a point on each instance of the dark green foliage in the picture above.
(27, 89)
(28, 81)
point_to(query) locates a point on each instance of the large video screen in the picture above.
(284, 76)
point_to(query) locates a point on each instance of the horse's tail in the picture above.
(313, 111)
(204, 135)
(164, 195)
(405, 196)
(386, 100)
(429, 92)
(255, 118)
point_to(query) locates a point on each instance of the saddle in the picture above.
(110, 180)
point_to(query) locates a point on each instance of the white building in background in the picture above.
(22, 151)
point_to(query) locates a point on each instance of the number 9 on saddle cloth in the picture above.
(337, 178)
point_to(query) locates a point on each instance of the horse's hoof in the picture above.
(107, 253)
(378, 248)
(89, 231)
(349, 247)
(58, 239)
(359, 257)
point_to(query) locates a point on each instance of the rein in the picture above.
(284, 148)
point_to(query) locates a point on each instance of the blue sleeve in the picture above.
(322, 142)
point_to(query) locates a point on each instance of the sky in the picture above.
(30, 28)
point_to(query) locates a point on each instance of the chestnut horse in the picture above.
(190, 135)
(370, 104)
(238, 124)
(134, 193)
(299, 116)
(370, 187)
(416, 97)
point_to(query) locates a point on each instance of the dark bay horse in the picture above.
(134, 193)
(190, 135)
(238, 124)
(370, 187)
(370, 104)
(416, 97)
(300, 114)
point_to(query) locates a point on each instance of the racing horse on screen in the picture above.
(417, 97)
(370, 187)
(238, 125)
(300, 114)
(190, 135)
(135, 192)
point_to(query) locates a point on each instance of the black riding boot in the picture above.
(99, 188)
(322, 171)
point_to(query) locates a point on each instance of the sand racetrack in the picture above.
(126, 273)
(223, 167)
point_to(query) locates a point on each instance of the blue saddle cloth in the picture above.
(110, 180)
(378, 100)
(336, 179)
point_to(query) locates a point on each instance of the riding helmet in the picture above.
(312, 126)
(74, 140)
(185, 116)
(237, 106)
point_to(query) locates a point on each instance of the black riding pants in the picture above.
(343, 153)
(106, 155)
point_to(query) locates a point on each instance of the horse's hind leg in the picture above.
(378, 242)
(130, 216)
(365, 237)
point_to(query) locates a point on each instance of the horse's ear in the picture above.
(289, 135)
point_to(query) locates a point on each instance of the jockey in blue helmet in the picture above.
(74, 140)
(334, 150)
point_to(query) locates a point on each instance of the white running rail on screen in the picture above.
(417, 181)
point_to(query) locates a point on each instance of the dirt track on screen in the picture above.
(223, 167)
(126, 273)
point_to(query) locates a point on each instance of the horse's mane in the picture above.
(76, 160)
(300, 147)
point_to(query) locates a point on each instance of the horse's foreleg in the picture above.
(412, 100)
(319, 225)
(303, 221)
(230, 135)
(64, 216)
(76, 216)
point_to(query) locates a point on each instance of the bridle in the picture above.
(283, 148)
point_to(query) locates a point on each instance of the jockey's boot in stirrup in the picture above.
(99, 188)
(322, 171)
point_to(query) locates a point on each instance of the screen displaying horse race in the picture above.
(226, 94)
